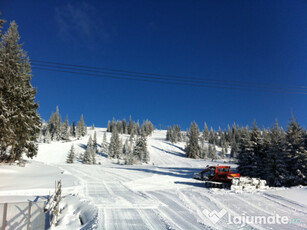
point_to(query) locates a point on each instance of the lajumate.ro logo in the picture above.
(243, 220)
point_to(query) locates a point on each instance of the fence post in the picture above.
(29, 216)
(4, 216)
(44, 215)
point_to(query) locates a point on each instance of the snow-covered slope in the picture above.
(160, 195)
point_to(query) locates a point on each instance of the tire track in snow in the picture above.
(282, 202)
(270, 209)
(175, 213)
(230, 206)
(118, 206)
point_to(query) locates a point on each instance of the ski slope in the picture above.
(159, 195)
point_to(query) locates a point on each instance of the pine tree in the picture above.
(125, 128)
(84, 128)
(72, 130)
(90, 153)
(87, 157)
(19, 120)
(47, 137)
(229, 134)
(93, 152)
(125, 147)
(81, 129)
(234, 148)
(296, 154)
(206, 132)
(178, 133)
(90, 143)
(275, 169)
(212, 153)
(169, 134)
(257, 163)
(104, 143)
(130, 125)
(140, 151)
(95, 142)
(246, 155)
(129, 156)
(109, 127)
(205, 152)
(71, 155)
(193, 149)
(40, 136)
(114, 146)
(65, 129)
(211, 137)
(131, 138)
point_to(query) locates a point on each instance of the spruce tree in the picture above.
(125, 147)
(84, 128)
(71, 155)
(72, 130)
(275, 169)
(205, 152)
(192, 148)
(109, 127)
(206, 132)
(47, 137)
(140, 151)
(229, 134)
(130, 125)
(257, 163)
(104, 143)
(90, 153)
(129, 156)
(169, 134)
(125, 128)
(234, 148)
(95, 142)
(211, 136)
(19, 120)
(296, 154)
(114, 146)
(212, 153)
(81, 129)
(246, 155)
(87, 156)
(65, 129)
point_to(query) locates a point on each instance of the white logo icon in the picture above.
(214, 216)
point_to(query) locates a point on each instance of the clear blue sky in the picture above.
(257, 41)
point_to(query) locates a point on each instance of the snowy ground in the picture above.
(160, 195)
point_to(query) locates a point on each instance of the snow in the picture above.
(158, 195)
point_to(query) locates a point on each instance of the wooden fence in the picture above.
(52, 208)
(23, 215)
(31, 215)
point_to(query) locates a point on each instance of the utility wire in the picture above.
(163, 78)
(168, 76)
(164, 81)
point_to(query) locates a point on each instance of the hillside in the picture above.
(158, 195)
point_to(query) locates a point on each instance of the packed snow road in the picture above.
(151, 197)
(159, 195)
(163, 195)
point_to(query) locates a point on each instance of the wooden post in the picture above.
(4, 216)
(29, 216)
(44, 215)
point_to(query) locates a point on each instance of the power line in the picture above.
(88, 72)
(164, 82)
(167, 81)
(167, 75)
(163, 78)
